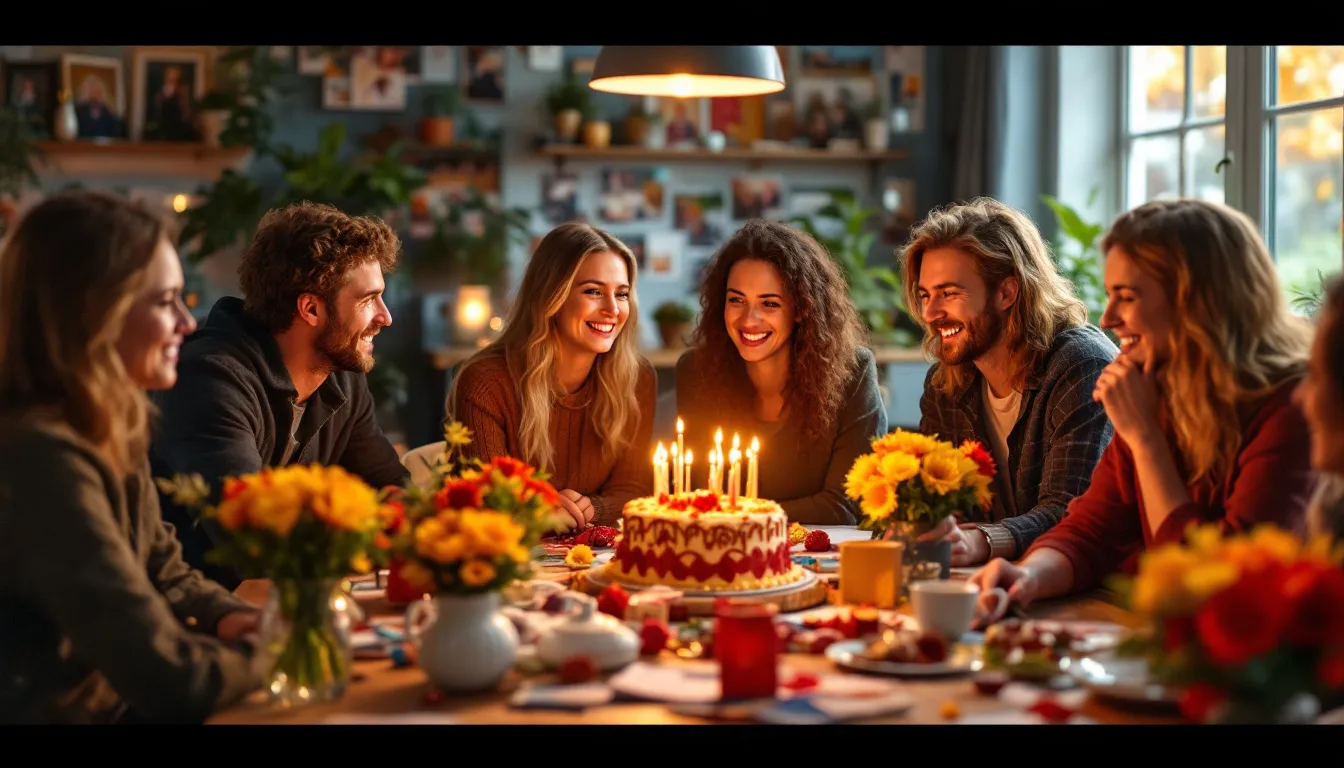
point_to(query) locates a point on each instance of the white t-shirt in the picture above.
(1001, 414)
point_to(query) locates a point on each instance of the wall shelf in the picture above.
(561, 152)
(136, 158)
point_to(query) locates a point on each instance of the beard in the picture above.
(339, 346)
(976, 338)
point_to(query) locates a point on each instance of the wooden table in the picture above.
(379, 689)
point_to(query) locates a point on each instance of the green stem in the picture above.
(312, 656)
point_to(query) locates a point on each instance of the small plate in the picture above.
(1121, 679)
(849, 655)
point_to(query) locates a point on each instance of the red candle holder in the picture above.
(747, 649)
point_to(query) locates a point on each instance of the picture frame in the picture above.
(97, 86)
(32, 88)
(167, 86)
(485, 73)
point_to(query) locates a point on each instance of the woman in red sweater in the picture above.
(1200, 398)
(564, 387)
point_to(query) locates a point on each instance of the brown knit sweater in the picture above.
(488, 405)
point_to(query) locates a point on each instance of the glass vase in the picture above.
(921, 560)
(306, 632)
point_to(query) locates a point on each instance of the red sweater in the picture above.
(1270, 481)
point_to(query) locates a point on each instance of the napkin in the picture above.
(571, 697)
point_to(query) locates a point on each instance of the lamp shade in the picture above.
(688, 71)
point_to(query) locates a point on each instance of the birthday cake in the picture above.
(704, 541)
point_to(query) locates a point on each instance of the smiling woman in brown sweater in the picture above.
(563, 388)
(103, 621)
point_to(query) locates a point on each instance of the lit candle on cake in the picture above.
(687, 484)
(734, 475)
(659, 471)
(753, 477)
(681, 453)
(716, 482)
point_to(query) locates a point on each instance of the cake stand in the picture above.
(794, 596)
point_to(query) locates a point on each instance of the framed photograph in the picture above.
(664, 252)
(312, 59)
(560, 197)
(168, 84)
(758, 197)
(31, 88)
(98, 86)
(837, 60)
(830, 107)
(632, 194)
(378, 79)
(702, 216)
(545, 58)
(438, 64)
(485, 72)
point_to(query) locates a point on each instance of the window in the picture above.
(1261, 128)
(1175, 120)
(1304, 146)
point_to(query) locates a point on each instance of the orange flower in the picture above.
(534, 487)
(511, 467)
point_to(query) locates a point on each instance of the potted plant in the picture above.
(597, 134)
(473, 237)
(877, 291)
(17, 152)
(674, 320)
(637, 124)
(441, 105)
(233, 113)
(568, 102)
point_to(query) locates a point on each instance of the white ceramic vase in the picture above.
(464, 643)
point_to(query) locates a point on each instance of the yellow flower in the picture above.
(456, 434)
(520, 554)
(797, 533)
(1204, 580)
(899, 466)
(579, 555)
(862, 470)
(942, 470)
(913, 443)
(879, 500)
(361, 564)
(490, 534)
(1159, 587)
(276, 509)
(476, 573)
(984, 497)
(1277, 543)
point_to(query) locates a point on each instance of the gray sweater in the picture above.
(100, 614)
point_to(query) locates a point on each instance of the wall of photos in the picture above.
(687, 207)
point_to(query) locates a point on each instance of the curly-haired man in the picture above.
(277, 377)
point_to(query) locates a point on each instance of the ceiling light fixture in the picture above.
(688, 71)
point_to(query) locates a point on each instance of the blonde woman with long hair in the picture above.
(1201, 398)
(103, 620)
(564, 387)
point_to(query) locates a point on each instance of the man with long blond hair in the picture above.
(278, 377)
(1016, 365)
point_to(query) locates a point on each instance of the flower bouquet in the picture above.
(469, 534)
(911, 482)
(305, 528)
(1248, 628)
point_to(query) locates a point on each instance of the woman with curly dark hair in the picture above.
(779, 354)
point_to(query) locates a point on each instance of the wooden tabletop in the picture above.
(380, 690)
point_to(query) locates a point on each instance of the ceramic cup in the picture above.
(948, 608)
(870, 572)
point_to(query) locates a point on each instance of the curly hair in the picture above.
(308, 248)
(823, 349)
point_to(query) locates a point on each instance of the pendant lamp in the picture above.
(688, 71)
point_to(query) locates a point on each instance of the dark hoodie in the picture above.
(231, 412)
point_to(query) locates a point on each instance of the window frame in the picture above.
(1181, 130)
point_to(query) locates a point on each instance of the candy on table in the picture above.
(653, 636)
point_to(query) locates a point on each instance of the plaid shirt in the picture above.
(1055, 444)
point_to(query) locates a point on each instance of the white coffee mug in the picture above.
(948, 607)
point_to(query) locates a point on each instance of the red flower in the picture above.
(459, 494)
(233, 488)
(1244, 620)
(1330, 670)
(706, 502)
(511, 467)
(394, 514)
(1198, 700)
(1317, 592)
(534, 487)
(982, 457)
